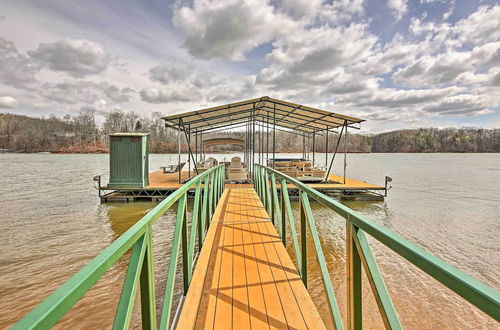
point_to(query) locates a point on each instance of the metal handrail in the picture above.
(140, 269)
(359, 253)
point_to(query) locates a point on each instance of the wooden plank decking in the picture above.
(244, 277)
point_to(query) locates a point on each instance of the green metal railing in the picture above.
(140, 271)
(359, 253)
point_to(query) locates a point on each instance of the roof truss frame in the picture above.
(259, 109)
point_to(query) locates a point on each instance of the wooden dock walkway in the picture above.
(244, 277)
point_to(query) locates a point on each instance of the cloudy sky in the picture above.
(396, 63)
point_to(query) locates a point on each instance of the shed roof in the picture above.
(264, 109)
(129, 134)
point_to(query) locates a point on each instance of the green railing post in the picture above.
(211, 195)
(186, 263)
(293, 230)
(303, 239)
(283, 213)
(217, 186)
(172, 266)
(380, 292)
(195, 229)
(262, 186)
(222, 181)
(255, 181)
(204, 210)
(148, 295)
(267, 194)
(354, 290)
(127, 297)
(327, 282)
(258, 178)
(198, 215)
(253, 177)
(275, 209)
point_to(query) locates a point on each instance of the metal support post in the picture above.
(274, 134)
(326, 146)
(345, 150)
(179, 148)
(334, 154)
(313, 146)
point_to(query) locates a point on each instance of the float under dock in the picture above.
(244, 277)
(162, 184)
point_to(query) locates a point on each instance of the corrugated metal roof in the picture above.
(266, 110)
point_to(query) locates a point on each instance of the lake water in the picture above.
(448, 204)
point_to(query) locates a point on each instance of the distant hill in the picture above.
(438, 140)
(80, 133)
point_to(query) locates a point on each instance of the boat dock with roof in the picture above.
(258, 119)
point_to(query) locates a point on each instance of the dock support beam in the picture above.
(274, 134)
(345, 150)
(334, 153)
(314, 146)
(179, 148)
(326, 146)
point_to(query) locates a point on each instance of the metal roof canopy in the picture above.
(287, 115)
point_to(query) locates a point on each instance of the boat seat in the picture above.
(210, 162)
(236, 170)
(236, 163)
(172, 168)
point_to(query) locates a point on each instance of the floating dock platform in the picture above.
(163, 184)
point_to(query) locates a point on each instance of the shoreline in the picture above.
(229, 153)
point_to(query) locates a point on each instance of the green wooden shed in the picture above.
(128, 160)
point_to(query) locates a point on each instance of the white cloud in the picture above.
(8, 102)
(228, 28)
(481, 27)
(341, 11)
(313, 56)
(462, 104)
(115, 93)
(15, 68)
(447, 67)
(175, 73)
(81, 91)
(77, 58)
(169, 73)
(398, 8)
(161, 95)
(301, 8)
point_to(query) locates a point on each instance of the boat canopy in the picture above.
(287, 115)
(221, 141)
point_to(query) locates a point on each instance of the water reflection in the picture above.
(122, 216)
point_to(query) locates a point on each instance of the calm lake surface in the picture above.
(448, 204)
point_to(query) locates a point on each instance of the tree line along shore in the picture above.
(81, 133)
